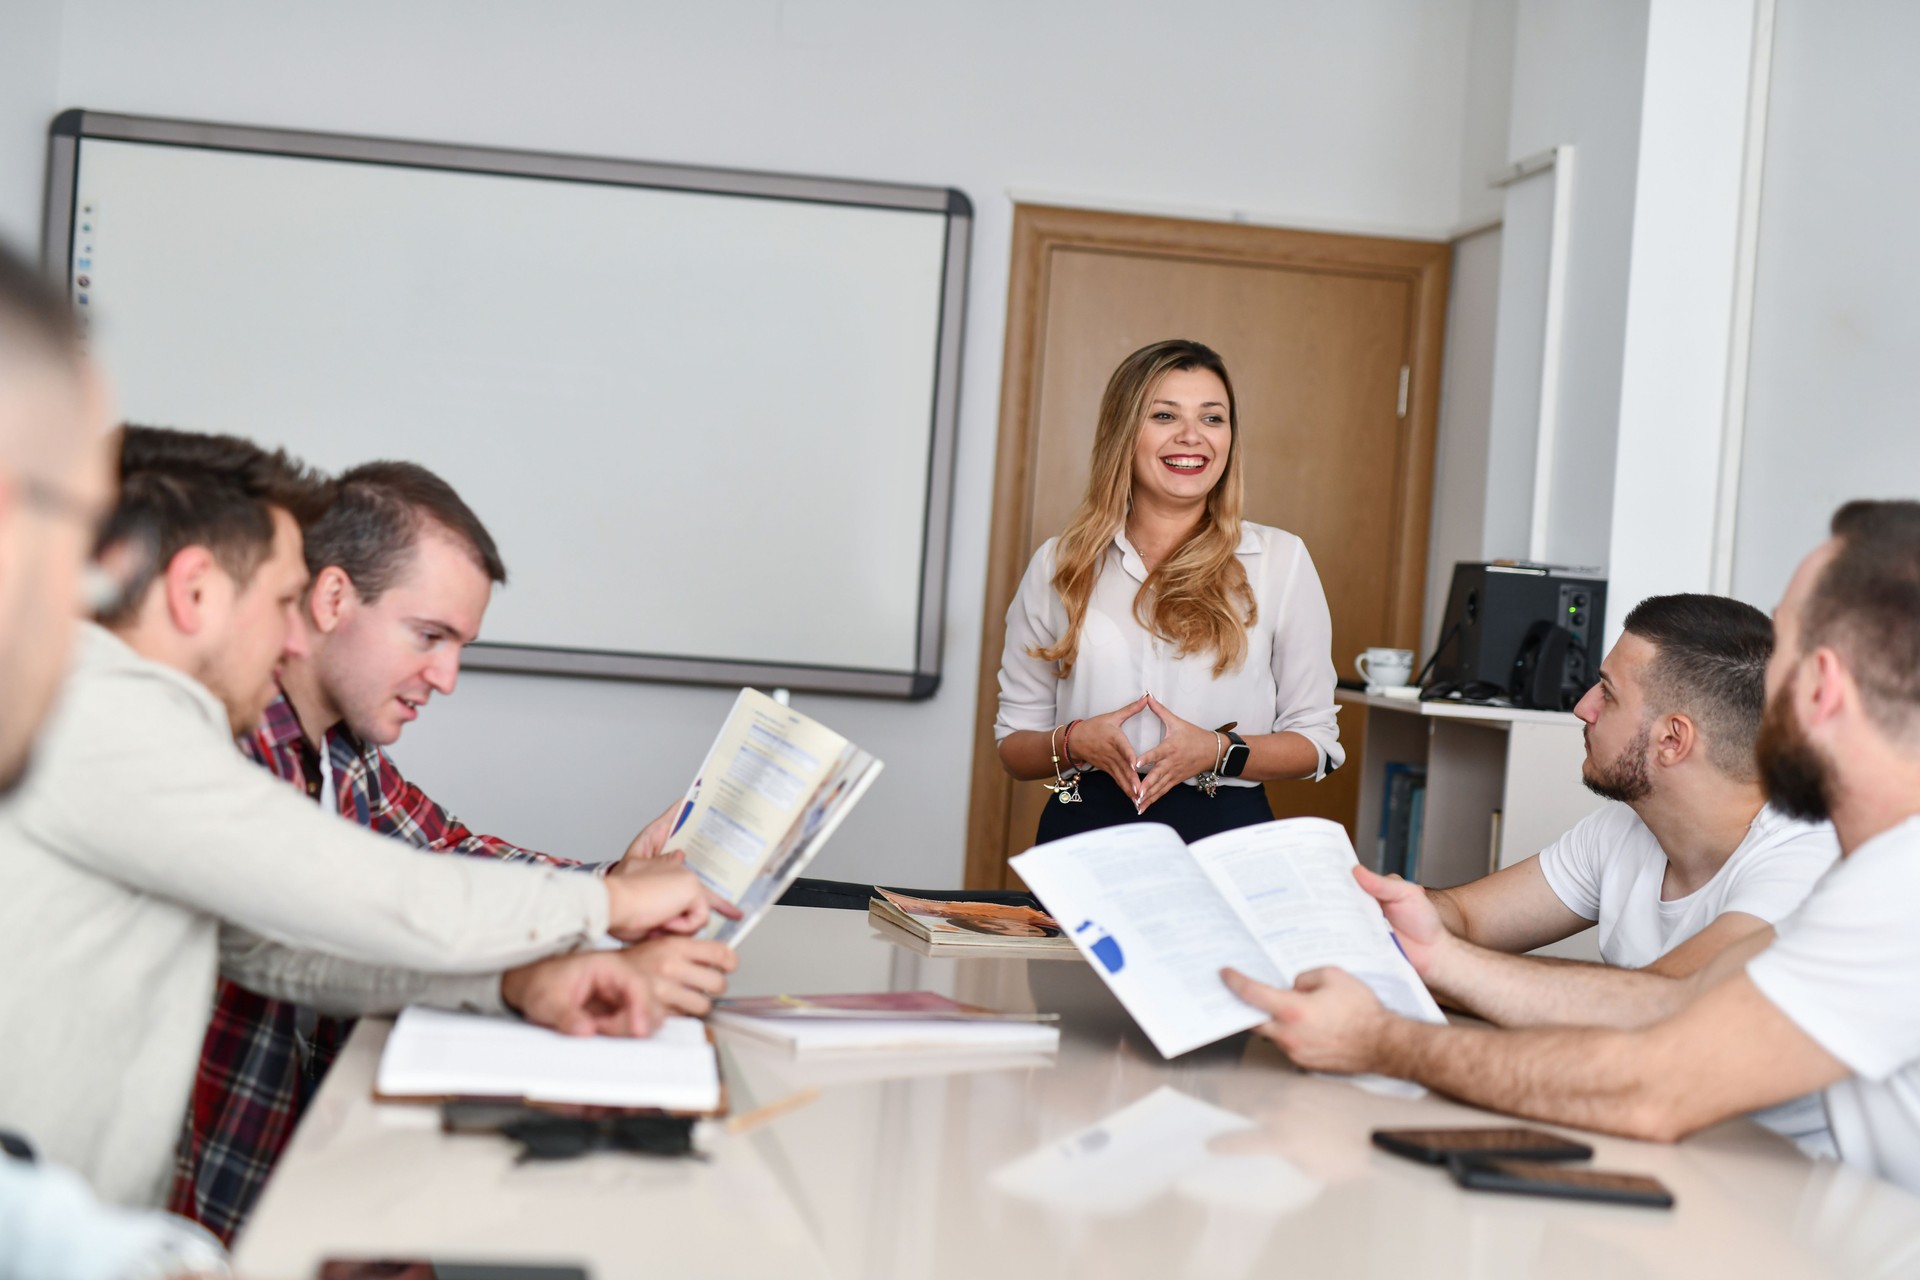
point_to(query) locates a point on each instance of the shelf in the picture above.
(1454, 710)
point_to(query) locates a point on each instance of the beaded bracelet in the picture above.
(1066, 789)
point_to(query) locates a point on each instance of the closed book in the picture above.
(892, 1022)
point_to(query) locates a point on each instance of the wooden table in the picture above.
(1103, 1161)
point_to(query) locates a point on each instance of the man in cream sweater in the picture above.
(55, 488)
(145, 855)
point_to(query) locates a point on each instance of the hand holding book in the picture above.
(1159, 920)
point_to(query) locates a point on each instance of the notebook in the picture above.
(432, 1055)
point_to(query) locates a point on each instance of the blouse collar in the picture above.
(1137, 568)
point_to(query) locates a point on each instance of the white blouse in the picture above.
(1285, 684)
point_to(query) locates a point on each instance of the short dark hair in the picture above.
(181, 489)
(1866, 607)
(33, 314)
(377, 517)
(1710, 664)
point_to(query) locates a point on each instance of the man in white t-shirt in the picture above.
(1826, 1004)
(1685, 859)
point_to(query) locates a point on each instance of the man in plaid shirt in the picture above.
(402, 574)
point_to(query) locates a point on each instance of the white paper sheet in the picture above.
(1124, 1162)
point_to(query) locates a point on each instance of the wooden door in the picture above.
(1333, 343)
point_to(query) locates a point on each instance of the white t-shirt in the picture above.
(1609, 869)
(1846, 969)
(1285, 683)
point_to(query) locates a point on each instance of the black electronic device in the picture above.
(1437, 1146)
(1541, 1178)
(1519, 632)
(427, 1269)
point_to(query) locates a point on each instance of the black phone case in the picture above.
(1402, 1143)
(1551, 1180)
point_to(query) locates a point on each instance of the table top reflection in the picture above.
(1104, 1159)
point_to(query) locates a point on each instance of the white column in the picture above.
(1684, 333)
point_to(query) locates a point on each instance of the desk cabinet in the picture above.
(1501, 784)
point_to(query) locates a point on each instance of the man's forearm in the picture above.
(1454, 919)
(347, 988)
(1532, 991)
(1591, 1078)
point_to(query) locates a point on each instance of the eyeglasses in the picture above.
(565, 1137)
(52, 500)
(104, 582)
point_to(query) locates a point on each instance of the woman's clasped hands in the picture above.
(1100, 742)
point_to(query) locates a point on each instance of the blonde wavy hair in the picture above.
(1198, 597)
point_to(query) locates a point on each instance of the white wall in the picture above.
(1466, 408)
(1347, 114)
(1577, 79)
(1836, 322)
(1489, 107)
(1460, 464)
(29, 96)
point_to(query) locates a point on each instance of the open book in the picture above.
(1159, 920)
(775, 784)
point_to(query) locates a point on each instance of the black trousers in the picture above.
(1188, 810)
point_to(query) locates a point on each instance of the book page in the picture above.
(758, 778)
(831, 801)
(1291, 882)
(1153, 927)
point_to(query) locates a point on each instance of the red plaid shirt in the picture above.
(256, 1071)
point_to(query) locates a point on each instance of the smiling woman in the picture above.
(1165, 657)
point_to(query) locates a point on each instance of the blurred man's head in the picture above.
(212, 526)
(55, 483)
(402, 574)
(1845, 676)
(1685, 684)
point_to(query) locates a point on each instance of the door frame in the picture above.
(1039, 231)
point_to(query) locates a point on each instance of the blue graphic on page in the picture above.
(686, 810)
(1104, 948)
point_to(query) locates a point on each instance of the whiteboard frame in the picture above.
(69, 128)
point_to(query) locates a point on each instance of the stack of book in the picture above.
(972, 928)
(1403, 806)
(884, 1022)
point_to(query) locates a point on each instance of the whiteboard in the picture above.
(707, 416)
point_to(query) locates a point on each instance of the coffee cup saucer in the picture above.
(1410, 692)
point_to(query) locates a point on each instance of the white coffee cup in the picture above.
(1385, 666)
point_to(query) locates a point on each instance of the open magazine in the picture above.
(775, 784)
(1159, 919)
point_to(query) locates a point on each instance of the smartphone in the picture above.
(421, 1269)
(1540, 1178)
(1437, 1146)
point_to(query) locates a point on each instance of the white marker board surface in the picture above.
(707, 416)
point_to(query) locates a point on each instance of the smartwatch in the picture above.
(1238, 753)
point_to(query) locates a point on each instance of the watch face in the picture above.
(1236, 759)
